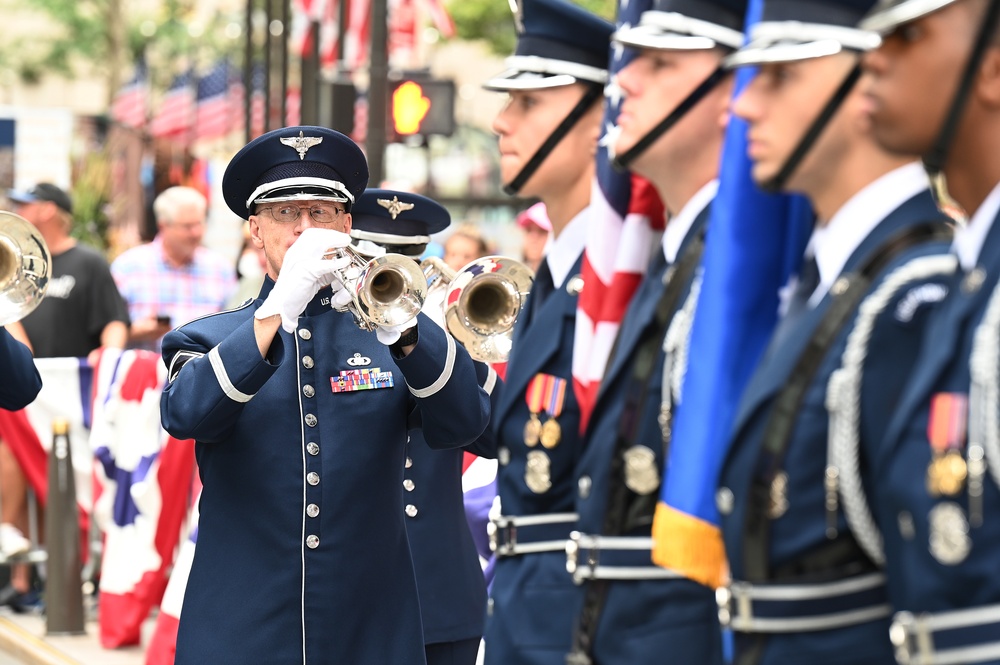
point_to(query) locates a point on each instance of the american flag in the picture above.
(176, 111)
(626, 212)
(293, 107)
(440, 17)
(215, 106)
(359, 19)
(131, 103)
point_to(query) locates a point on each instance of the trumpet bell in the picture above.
(482, 304)
(391, 290)
(25, 265)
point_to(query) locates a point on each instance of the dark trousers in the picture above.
(453, 653)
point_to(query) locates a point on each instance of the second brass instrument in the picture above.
(482, 302)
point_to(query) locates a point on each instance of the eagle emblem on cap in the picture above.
(395, 206)
(301, 143)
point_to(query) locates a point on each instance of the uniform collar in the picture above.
(834, 243)
(970, 237)
(566, 249)
(679, 225)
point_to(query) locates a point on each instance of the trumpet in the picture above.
(25, 267)
(482, 302)
(386, 291)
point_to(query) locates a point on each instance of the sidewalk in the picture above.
(23, 636)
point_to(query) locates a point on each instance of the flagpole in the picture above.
(377, 92)
(247, 69)
(285, 10)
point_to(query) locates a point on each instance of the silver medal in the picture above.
(949, 533)
(538, 472)
(641, 473)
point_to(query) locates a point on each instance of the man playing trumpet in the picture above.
(301, 419)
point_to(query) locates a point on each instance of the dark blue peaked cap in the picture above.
(792, 30)
(688, 25)
(394, 219)
(558, 43)
(890, 14)
(295, 163)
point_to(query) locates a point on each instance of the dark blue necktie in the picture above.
(541, 289)
(798, 305)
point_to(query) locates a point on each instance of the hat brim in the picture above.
(765, 53)
(652, 37)
(521, 80)
(16, 196)
(887, 20)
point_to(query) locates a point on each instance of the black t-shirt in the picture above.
(80, 301)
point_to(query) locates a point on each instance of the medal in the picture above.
(548, 393)
(779, 499)
(949, 533)
(641, 473)
(533, 396)
(532, 431)
(946, 423)
(551, 433)
(538, 472)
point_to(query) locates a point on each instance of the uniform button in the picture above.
(312, 448)
(906, 527)
(307, 362)
(584, 485)
(410, 510)
(408, 485)
(407, 438)
(305, 334)
(312, 510)
(409, 462)
(308, 390)
(974, 280)
(311, 420)
(724, 500)
(312, 542)
(503, 456)
(313, 478)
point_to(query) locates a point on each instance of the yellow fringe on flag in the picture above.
(689, 546)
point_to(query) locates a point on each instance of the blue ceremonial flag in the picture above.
(755, 241)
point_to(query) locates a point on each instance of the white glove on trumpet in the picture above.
(304, 272)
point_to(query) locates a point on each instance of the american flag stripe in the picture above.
(214, 114)
(176, 111)
(130, 104)
(626, 213)
(440, 17)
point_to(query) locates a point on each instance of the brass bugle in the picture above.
(482, 302)
(25, 267)
(388, 290)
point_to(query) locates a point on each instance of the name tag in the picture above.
(352, 380)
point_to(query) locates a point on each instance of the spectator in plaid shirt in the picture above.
(173, 279)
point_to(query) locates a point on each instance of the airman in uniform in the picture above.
(548, 134)
(445, 559)
(935, 91)
(300, 419)
(670, 132)
(803, 546)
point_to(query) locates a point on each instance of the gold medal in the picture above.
(532, 431)
(538, 472)
(641, 473)
(551, 433)
(946, 474)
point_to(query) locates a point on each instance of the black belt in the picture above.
(956, 637)
(591, 557)
(514, 535)
(795, 608)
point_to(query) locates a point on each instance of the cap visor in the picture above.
(768, 52)
(647, 36)
(521, 80)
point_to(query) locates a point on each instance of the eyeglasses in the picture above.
(321, 213)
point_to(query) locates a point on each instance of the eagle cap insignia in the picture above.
(301, 143)
(395, 206)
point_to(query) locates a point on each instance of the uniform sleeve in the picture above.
(454, 408)
(209, 385)
(492, 384)
(21, 381)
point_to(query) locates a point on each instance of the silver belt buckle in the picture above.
(572, 553)
(503, 536)
(911, 639)
(581, 549)
(735, 606)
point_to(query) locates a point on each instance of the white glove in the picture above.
(388, 335)
(303, 273)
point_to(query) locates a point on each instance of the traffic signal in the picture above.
(421, 106)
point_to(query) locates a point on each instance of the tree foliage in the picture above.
(491, 21)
